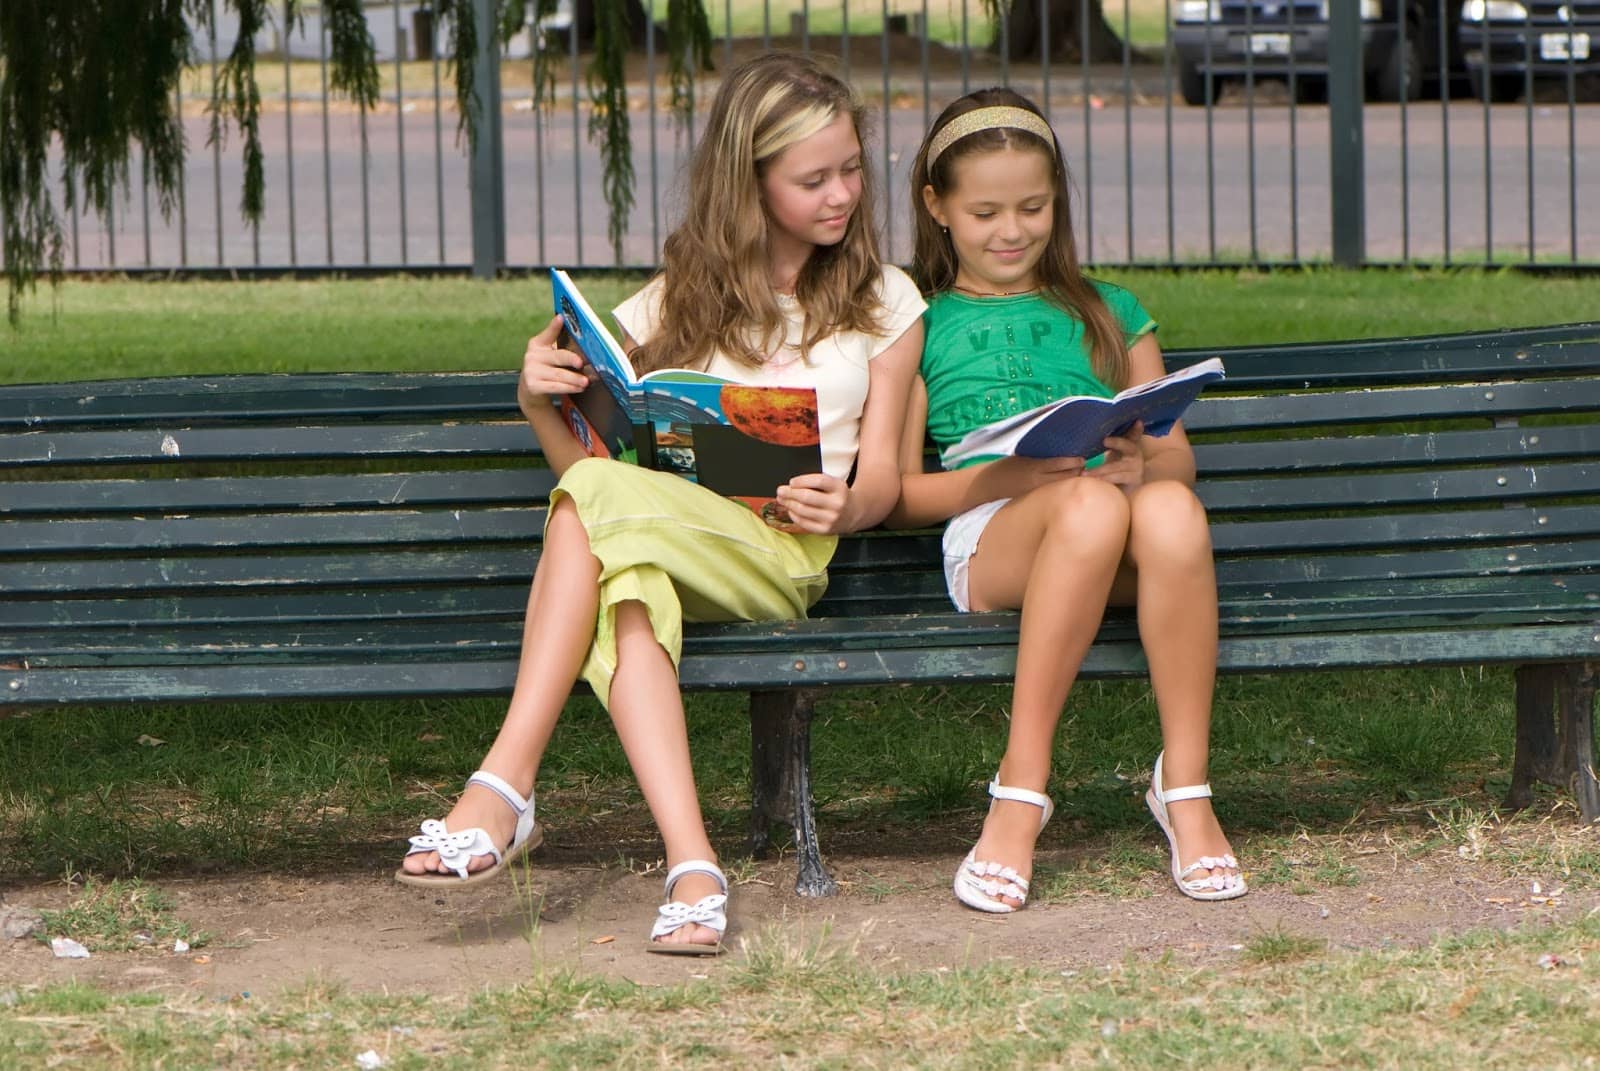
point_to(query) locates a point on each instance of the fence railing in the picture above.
(1284, 158)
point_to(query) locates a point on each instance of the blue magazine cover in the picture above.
(1078, 426)
(739, 440)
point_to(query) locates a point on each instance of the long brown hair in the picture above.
(718, 287)
(1062, 281)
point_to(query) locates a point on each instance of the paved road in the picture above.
(1240, 182)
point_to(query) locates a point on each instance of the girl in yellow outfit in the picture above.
(773, 278)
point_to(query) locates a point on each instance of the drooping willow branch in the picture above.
(98, 77)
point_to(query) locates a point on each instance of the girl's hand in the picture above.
(547, 369)
(817, 502)
(1013, 477)
(1124, 464)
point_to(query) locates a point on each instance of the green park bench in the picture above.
(1407, 502)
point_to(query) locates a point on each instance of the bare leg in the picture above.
(1171, 578)
(647, 709)
(556, 634)
(1054, 552)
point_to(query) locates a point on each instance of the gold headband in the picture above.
(991, 118)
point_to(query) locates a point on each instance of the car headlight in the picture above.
(1197, 11)
(1494, 11)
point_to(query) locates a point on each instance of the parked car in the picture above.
(1219, 39)
(1504, 41)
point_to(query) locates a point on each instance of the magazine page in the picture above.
(1078, 426)
(603, 416)
(740, 441)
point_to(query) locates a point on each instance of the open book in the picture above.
(737, 440)
(1078, 426)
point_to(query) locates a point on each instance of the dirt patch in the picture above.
(367, 933)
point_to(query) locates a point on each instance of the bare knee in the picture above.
(1168, 523)
(1087, 513)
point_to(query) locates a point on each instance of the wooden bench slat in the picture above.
(1508, 483)
(1288, 457)
(258, 398)
(204, 621)
(502, 525)
(101, 576)
(1470, 355)
(800, 667)
(255, 445)
(910, 577)
(217, 494)
(1364, 533)
(1218, 411)
(289, 529)
(1567, 556)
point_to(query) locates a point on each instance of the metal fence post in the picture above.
(487, 166)
(1346, 139)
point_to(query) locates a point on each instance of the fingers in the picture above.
(551, 333)
(815, 502)
(547, 369)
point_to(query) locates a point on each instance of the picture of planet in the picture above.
(783, 417)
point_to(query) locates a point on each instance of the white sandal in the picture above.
(456, 850)
(978, 883)
(1215, 887)
(708, 911)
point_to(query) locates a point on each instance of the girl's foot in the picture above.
(481, 807)
(694, 918)
(691, 889)
(1200, 836)
(1203, 866)
(994, 877)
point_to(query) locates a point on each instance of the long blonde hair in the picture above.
(718, 286)
(1061, 280)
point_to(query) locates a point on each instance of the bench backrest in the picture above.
(344, 512)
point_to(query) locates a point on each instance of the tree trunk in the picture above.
(1024, 30)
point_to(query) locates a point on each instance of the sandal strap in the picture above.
(455, 850)
(697, 866)
(1187, 792)
(988, 871)
(1209, 862)
(502, 788)
(1217, 882)
(1024, 795)
(1175, 795)
(707, 911)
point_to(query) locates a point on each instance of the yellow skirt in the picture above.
(687, 554)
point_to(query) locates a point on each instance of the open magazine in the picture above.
(1078, 426)
(737, 440)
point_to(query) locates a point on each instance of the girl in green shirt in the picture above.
(1013, 323)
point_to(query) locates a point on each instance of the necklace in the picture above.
(993, 293)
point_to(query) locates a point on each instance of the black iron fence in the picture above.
(1206, 132)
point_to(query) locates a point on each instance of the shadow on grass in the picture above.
(898, 772)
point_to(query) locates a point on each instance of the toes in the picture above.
(420, 864)
(689, 934)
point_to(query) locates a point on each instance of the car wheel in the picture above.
(1407, 62)
(1492, 88)
(1193, 85)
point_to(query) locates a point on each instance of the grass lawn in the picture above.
(1421, 755)
(106, 330)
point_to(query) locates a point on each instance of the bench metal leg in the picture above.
(780, 782)
(1555, 734)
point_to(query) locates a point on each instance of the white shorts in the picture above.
(961, 537)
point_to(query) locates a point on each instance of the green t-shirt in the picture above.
(985, 359)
